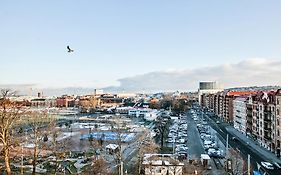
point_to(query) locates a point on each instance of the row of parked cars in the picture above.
(208, 140)
(178, 137)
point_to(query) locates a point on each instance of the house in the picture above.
(112, 148)
(162, 164)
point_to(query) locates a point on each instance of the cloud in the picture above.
(251, 72)
(33, 89)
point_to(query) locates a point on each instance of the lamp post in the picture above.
(173, 144)
(21, 171)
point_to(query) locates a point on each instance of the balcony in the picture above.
(249, 116)
(267, 128)
(267, 118)
(267, 111)
(267, 136)
(249, 121)
(238, 116)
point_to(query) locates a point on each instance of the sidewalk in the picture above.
(253, 144)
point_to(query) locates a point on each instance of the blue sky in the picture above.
(116, 39)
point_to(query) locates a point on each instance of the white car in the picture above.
(267, 165)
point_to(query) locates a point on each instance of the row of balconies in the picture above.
(267, 128)
(267, 136)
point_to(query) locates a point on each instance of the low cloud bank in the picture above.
(252, 72)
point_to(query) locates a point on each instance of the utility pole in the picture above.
(173, 144)
(249, 164)
(226, 147)
(21, 170)
(121, 173)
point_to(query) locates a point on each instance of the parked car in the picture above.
(181, 141)
(170, 140)
(267, 165)
(215, 153)
(181, 148)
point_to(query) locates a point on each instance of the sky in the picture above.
(140, 45)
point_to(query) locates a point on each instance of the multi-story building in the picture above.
(161, 164)
(255, 114)
(266, 120)
(43, 102)
(262, 120)
(240, 114)
(224, 104)
(208, 87)
(278, 121)
(65, 101)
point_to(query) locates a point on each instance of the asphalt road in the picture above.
(194, 144)
(243, 147)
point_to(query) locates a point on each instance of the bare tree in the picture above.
(146, 146)
(57, 146)
(99, 167)
(117, 128)
(37, 122)
(238, 162)
(163, 128)
(9, 115)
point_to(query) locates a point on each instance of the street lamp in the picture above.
(21, 159)
(173, 144)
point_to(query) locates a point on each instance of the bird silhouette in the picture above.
(69, 50)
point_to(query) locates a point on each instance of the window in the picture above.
(278, 133)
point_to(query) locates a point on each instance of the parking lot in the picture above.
(178, 137)
(195, 144)
(211, 144)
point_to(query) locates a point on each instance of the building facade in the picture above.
(256, 114)
(240, 114)
(208, 87)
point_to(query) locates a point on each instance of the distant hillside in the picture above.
(254, 88)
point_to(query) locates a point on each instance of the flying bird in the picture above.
(69, 50)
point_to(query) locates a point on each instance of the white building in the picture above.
(161, 164)
(208, 87)
(147, 113)
(240, 113)
(152, 115)
(139, 112)
(98, 91)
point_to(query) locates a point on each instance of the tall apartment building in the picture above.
(240, 114)
(278, 121)
(262, 119)
(257, 114)
(208, 87)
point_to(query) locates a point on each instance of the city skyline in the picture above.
(137, 46)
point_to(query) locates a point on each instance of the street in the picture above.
(194, 142)
(244, 149)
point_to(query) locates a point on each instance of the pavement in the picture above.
(253, 149)
(254, 145)
(195, 147)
